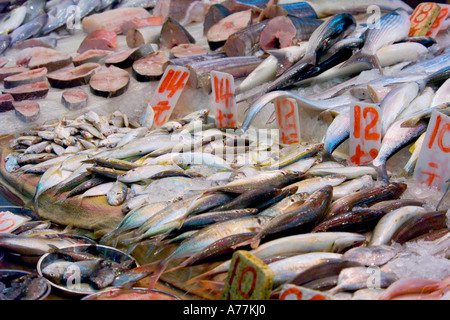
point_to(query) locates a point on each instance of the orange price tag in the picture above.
(433, 164)
(293, 292)
(423, 18)
(365, 133)
(10, 221)
(288, 120)
(248, 279)
(438, 24)
(168, 92)
(224, 101)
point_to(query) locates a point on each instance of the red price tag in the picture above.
(223, 99)
(293, 292)
(168, 92)
(433, 164)
(365, 133)
(288, 120)
(439, 22)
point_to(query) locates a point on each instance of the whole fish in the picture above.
(275, 179)
(367, 196)
(393, 27)
(12, 20)
(371, 255)
(328, 33)
(117, 194)
(28, 29)
(39, 245)
(348, 172)
(150, 172)
(313, 184)
(355, 278)
(58, 16)
(395, 102)
(409, 167)
(395, 139)
(208, 218)
(287, 269)
(325, 8)
(352, 186)
(49, 179)
(336, 242)
(99, 190)
(310, 212)
(391, 222)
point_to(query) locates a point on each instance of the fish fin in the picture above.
(214, 287)
(371, 60)
(162, 266)
(284, 62)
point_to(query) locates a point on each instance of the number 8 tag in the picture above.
(365, 133)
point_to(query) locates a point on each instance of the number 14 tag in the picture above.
(365, 133)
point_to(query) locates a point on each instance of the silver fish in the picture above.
(392, 27)
(117, 194)
(12, 20)
(29, 29)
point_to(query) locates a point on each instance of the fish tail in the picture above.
(160, 269)
(284, 62)
(371, 60)
(214, 287)
(382, 173)
(254, 242)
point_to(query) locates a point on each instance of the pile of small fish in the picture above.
(313, 218)
(26, 287)
(94, 272)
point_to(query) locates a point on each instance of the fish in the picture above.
(408, 285)
(328, 33)
(208, 218)
(350, 172)
(312, 184)
(395, 102)
(355, 278)
(150, 172)
(409, 167)
(373, 255)
(327, 8)
(391, 222)
(39, 245)
(117, 194)
(395, 138)
(286, 269)
(393, 27)
(99, 40)
(250, 199)
(310, 212)
(348, 187)
(367, 196)
(28, 29)
(12, 20)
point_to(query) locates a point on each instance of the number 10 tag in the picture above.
(365, 133)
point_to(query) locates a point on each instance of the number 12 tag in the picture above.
(365, 133)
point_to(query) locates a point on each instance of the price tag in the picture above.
(438, 24)
(288, 120)
(248, 279)
(10, 221)
(223, 99)
(293, 292)
(433, 164)
(365, 133)
(423, 18)
(168, 92)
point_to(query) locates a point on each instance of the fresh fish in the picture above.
(348, 172)
(34, 8)
(59, 16)
(367, 196)
(393, 27)
(250, 199)
(310, 212)
(12, 20)
(352, 186)
(28, 29)
(39, 245)
(276, 179)
(420, 225)
(327, 8)
(355, 278)
(321, 105)
(267, 70)
(391, 222)
(328, 33)
(409, 167)
(208, 218)
(391, 205)
(84, 187)
(395, 102)
(335, 242)
(285, 270)
(313, 184)
(395, 138)
(99, 190)
(371, 255)
(49, 179)
(357, 220)
(117, 194)
(150, 172)
(337, 132)
(442, 95)
(5, 42)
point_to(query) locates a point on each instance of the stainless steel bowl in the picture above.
(105, 252)
(131, 294)
(13, 274)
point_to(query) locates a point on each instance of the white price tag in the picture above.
(223, 99)
(10, 221)
(288, 120)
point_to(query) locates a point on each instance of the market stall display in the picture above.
(199, 139)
